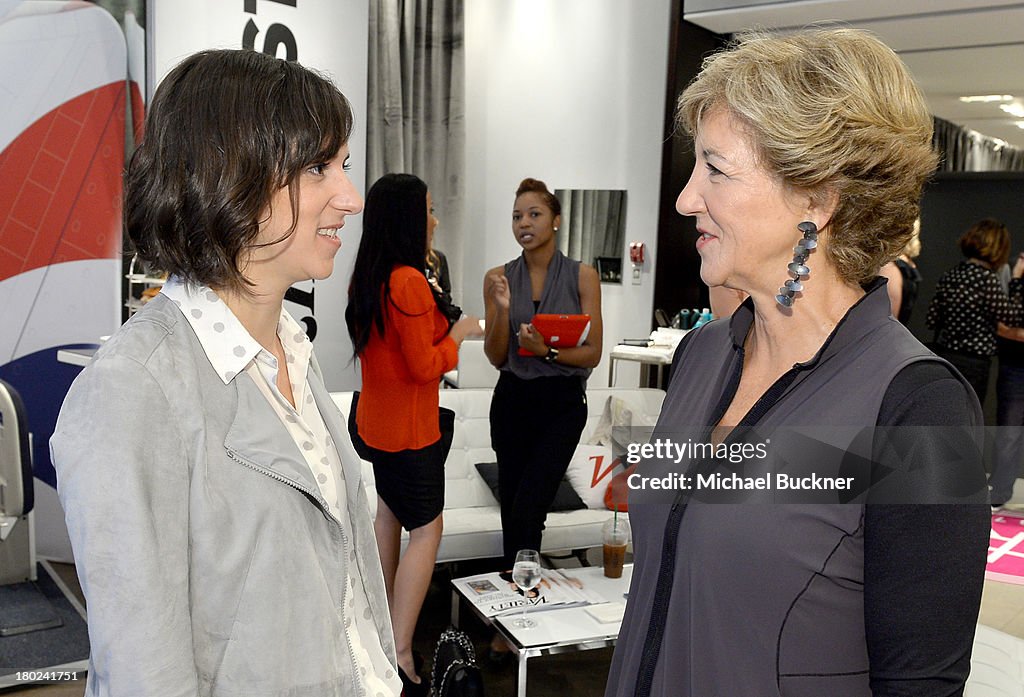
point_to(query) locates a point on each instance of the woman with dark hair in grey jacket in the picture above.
(213, 498)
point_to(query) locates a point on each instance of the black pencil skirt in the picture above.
(410, 482)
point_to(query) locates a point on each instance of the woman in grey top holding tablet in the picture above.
(539, 407)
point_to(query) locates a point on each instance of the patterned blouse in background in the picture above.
(968, 302)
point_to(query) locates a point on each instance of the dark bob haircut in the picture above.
(226, 130)
(987, 240)
(394, 234)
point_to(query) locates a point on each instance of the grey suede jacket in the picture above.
(208, 560)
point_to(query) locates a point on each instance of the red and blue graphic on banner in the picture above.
(62, 146)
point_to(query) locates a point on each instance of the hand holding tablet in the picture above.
(560, 331)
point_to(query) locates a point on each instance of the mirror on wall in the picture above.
(594, 229)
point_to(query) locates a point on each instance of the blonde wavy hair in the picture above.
(829, 112)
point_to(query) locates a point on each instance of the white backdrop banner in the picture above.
(330, 36)
(63, 69)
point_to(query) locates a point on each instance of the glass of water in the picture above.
(526, 575)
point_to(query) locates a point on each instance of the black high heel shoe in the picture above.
(413, 689)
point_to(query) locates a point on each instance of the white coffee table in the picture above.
(558, 630)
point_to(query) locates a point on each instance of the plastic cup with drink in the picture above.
(615, 535)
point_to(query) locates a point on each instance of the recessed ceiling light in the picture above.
(1015, 109)
(1020, 125)
(988, 98)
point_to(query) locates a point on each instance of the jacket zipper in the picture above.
(344, 549)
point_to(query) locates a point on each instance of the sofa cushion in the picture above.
(565, 498)
(464, 487)
(623, 421)
(475, 533)
(590, 471)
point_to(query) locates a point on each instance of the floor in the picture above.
(569, 675)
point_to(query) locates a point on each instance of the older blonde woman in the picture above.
(811, 151)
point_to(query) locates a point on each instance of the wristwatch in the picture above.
(551, 355)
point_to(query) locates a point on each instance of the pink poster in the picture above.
(1006, 550)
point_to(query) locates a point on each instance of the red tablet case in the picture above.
(560, 331)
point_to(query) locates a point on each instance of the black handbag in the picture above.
(450, 310)
(446, 423)
(455, 672)
(362, 449)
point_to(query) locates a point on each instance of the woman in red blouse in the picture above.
(404, 344)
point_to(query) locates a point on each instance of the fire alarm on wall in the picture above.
(636, 256)
(636, 252)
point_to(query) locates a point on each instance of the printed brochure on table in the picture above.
(495, 594)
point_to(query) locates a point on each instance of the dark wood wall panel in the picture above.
(677, 281)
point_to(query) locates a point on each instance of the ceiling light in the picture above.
(1015, 109)
(987, 98)
(1020, 125)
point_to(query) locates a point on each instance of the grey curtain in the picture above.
(416, 109)
(593, 223)
(964, 150)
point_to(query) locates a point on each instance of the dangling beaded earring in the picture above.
(799, 267)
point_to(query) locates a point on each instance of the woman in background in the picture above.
(904, 278)
(404, 344)
(539, 406)
(439, 276)
(436, 268)
(213, 498)
(1008, 453)
(969, 302)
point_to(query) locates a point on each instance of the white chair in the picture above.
(17, 548)
(23, 606)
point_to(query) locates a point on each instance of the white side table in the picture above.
(658, 356)
(558, 630)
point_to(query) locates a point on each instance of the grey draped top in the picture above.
(561, 295)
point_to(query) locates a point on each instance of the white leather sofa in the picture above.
(472, 522)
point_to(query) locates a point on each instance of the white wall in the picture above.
(573, 93)
(716, 5)
(331, 36)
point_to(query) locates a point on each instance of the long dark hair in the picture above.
(394, 234)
